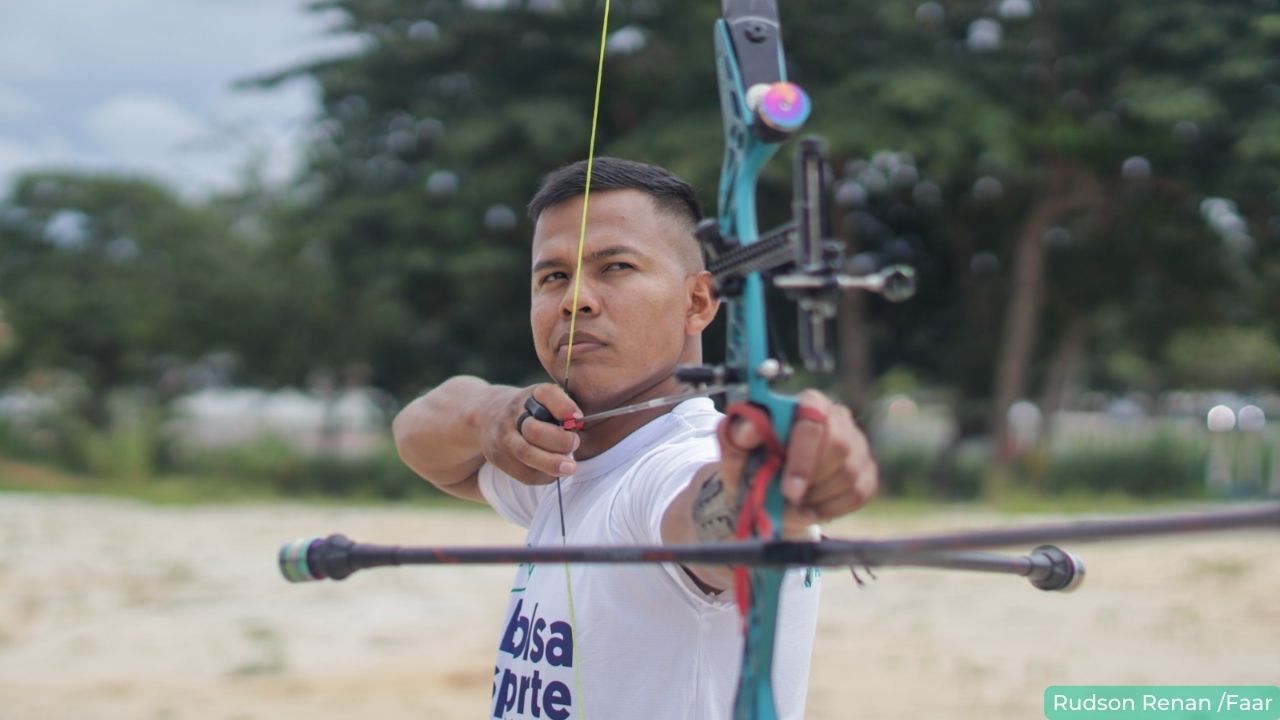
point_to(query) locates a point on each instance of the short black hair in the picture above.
(670, 193)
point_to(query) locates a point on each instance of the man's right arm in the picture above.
(438, 435)
(448, 434)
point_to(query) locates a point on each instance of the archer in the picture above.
(648, 641)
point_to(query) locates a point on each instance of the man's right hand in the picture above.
(531, 451)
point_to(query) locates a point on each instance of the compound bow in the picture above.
(761, 110)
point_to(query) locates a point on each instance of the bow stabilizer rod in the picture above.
(337, 557)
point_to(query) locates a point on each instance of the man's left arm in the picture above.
(829, 472)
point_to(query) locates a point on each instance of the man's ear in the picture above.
(703, 303)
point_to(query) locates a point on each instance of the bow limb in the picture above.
(752, 80)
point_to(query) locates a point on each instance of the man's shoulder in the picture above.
(688, 434)
(697, 414)
(691, 424)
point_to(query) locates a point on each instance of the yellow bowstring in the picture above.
(568, 359)
(586, 193)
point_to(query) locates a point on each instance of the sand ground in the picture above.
(117, 610)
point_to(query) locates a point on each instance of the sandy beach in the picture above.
(113, 609)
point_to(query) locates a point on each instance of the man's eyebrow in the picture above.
(601, 254)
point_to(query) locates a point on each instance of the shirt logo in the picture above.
(542, 644)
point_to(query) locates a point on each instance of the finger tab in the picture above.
(538, 410)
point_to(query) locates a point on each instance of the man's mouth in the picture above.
(582, 343)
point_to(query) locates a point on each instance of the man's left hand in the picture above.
(829, 470)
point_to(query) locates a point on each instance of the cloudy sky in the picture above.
(146, 86)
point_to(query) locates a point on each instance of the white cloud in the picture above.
(141, 126)
(44, 152)
(14, 104)
(16, 157)
(152, 135)
(146, 86)
(27, 55)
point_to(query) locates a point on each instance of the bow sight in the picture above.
(802, 259)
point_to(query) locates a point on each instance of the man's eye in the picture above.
(619, 266)
(552, 277)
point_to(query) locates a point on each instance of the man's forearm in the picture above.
(438, 435)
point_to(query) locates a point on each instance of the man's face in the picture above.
(639, 309)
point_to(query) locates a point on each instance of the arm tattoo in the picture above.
(714, 512)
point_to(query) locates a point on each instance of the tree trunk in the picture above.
(1066, 190)
(1063, 367)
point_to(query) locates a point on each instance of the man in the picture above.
(635, 641)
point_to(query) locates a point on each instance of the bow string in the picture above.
(573, 325)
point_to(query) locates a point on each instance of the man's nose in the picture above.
(587, 300)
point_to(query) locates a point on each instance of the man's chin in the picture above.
(592, 398)
(596, 394)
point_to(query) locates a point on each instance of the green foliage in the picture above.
(1233, 358)
(128, 446)
(912, 472)
(402, 248)
(132, 449)
(21, 442)
(1127, 369)
(897, 380)
(1260, 142)
(128, 449)
(136, 456)
(108, 277)
(905, 471)
(281, 469)
(382, 476)
(1164, 465)
(268, 461)
(1166, 100)
(1268, 27)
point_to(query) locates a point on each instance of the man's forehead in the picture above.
(615, 219)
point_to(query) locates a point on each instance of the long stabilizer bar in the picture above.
(1048, 567)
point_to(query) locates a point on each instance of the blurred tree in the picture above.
(1048, 170)
(433, 137)
(109, 276)
(1231, 358)
(1088, 190)
(1062, 164)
